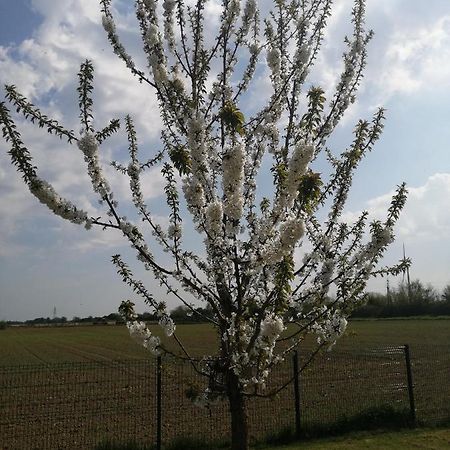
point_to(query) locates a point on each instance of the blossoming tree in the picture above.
(273, 269)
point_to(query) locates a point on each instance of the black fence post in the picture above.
(412, 406)
(296, 395)
(158, 403)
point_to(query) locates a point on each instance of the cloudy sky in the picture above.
(47, 263)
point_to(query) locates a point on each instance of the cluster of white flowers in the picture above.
(298, 164)
(152, 37)
(47, 195)
(249, 13)
(250, 8)
(290, 232)
(330, 328)
(119, 49)
(232, 179)
(302, 55)
(234, 8)
(254, 49)
(274, 61)
(178, 83)
(194, 195)
(155, 55)
(196, 144)
(142, 335)
(108, 24)
(272, 327)
(371, 250)
(175, 231)
(214, 218)
(167, 324)
(169, 35)
(89, 146)
(133, 172)
(385, 237)
(272, 133)
(326, 274)
(252, 367)
(150, 5)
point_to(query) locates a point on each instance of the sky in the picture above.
(47, 263)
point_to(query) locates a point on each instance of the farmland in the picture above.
(90, 397)
(99, 343)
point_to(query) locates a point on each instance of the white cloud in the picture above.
(415, 59)
(426, 216)
(48, 62)
(424, 227)
(46, 65)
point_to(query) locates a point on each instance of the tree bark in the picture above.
(238, 412)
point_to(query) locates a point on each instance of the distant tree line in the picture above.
(182, 314)
(413, 299)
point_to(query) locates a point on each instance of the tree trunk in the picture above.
(238, 411)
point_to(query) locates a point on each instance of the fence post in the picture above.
(296, 395)
(158, 403)
(412, 406)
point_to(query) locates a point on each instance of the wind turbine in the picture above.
(406, 271)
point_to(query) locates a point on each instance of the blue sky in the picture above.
(45, 262)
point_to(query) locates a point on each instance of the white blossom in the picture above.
(168, 7)
(232, 179)
(167, 325)
(196, 144)
(298, 164)
(108, 24)
(273, 60)
(331, 328)
(272, 327)
(291, 232)
(174, 231)
(194, 195)
(142, 335)
(89, 146)
(119, 49)
(214, 217)
(47, 195)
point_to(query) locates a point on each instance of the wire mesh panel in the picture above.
(184, 418)
(76, 405)
(271, 415)
(431, 378)
(341, 386)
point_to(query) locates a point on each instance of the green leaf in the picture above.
(233, 118)
(283, 277)
(309, 190)
(181, 159)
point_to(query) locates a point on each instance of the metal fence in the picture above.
(79, 405)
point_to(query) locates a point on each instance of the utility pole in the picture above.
(388, 292)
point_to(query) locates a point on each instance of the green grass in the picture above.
(427, 439)
(402, 440)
